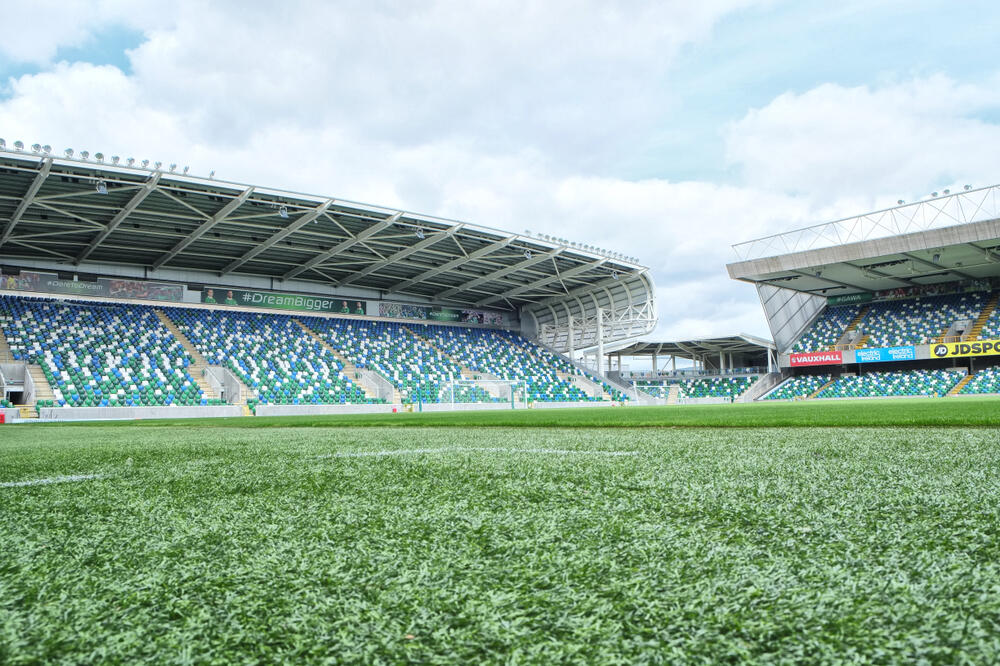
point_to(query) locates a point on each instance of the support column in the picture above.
(600, 338)
(654, 363)
(673, 364)
(569, 340)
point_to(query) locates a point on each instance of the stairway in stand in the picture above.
(673, 394)
(862, 313)
(820, 389)
(6, 356)
(199, 366)
(465, 371)
(977, 328)
(961, 384)
(350, 370)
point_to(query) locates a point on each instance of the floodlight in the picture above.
(69, 152)
(173, 167)
(420, 233)
(185, 170)
(527, 232)
(934, 194)
(144, 163)
(46, 149)
(99, 157)
(157, 165)
(900, 202)
(947, 191)
(936, 258)
(84, 154)
(19, 145)
(36, 147)
(3, 144)
(115, 159)
(527, 254)
(967, 187)
(211, 174)
(614, 275)
(283, 212)
(130, 161)
(102, 187)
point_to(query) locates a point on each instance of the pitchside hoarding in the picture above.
(49, 283)
(816, 358)
(435, 313)
(958, 349)
(279, 301)
(884, 354)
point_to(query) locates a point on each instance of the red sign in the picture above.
(817, 358)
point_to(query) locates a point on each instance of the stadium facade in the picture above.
(77, 227)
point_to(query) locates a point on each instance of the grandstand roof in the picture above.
(72, 212)
(945, 239)
(694, 349)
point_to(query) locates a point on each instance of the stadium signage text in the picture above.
(280, 301)
(977, 348)
(883, 354)
(49, 283)
(816, 358)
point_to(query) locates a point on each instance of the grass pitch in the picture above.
(221, 543)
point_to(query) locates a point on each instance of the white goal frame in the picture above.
(503, 393)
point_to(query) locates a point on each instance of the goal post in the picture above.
(510, 393)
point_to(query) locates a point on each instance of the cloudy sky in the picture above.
(666, 130)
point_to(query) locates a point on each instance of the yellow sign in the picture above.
(977, 348)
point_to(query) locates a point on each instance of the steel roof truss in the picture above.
(224, 212)
(401, 254)
(36, 184)
(143, 192)
(344, 246)
(303, 220)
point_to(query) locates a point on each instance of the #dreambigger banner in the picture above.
(816, 358)
(280, 301)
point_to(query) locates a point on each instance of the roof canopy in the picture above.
(73, 212)
(697, 349)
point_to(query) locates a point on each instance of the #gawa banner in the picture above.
(954, 349)
(816, 358)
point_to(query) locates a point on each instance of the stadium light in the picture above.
(3, 144)
(934, 194)
(19, 145)
(185, 170)
(283, 212)
(84, 154)
(102, 187)
(420, 233)
(157, 165)
(115, 159)
(527, 254)
(99, 157)
(144, 163)
(36, 147)
(46, 149)
(130, 161)
(614, 275)
(173, 167)
(68, 152)
(900, 202)
(947, 191)
(936, 258)
(211, 174)
(967, 187)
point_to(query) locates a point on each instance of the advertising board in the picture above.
(279, 301)
(816, 358)
(884, 354)
(959, 349)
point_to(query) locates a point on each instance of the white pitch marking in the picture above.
(404, 452)
(55, 479)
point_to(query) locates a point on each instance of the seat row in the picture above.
(701, 387)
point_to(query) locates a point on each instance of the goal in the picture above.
(507, 392)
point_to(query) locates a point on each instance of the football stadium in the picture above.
(246, 424)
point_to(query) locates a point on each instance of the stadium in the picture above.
(305, 428)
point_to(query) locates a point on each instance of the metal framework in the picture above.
(972, 205)
(75, 215)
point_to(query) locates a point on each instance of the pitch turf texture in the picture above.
(217, 542)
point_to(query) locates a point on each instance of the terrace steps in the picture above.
(350, 369)
(6, 355)
(673, 394)
(862, 313)
(465, 371)
(199, 366)
(820, 390)
(862, 341)
(977, 328)
(43, 391)
(961, 384)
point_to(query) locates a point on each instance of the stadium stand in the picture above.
(725, 387)
(991, 326)
(895, 383)
(984, 381)
(800, 386)
(271, 354)
(99, 354)
(828, 328)
(919, 320)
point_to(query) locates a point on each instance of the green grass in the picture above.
(961, 412)
(233, 544)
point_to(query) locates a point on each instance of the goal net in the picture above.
(508, 392)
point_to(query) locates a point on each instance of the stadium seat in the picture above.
(895, 383)
(800, 386)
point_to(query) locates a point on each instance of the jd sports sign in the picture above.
(978, 348)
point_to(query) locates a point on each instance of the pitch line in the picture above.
(406, 452)
(54, 479)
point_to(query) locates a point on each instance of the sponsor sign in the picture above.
(977, 348)
(280, 301)
(50, 283)
(883, 354)
(850, 298)
(817, 358)
(435, 313)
